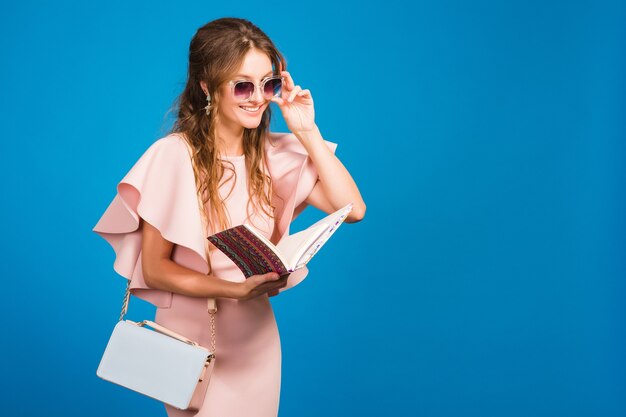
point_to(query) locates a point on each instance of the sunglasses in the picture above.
(243, 90)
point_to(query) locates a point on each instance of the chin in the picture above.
(250, 125)
(250, 122)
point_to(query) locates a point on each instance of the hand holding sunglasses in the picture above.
(296, 105)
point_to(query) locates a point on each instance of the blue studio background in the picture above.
(487, 139)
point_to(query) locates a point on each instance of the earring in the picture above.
(208, 106)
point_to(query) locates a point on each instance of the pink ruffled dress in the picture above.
(160, 188)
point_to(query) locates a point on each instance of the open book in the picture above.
(254, 254)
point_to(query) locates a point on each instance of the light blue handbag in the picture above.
(159, 363)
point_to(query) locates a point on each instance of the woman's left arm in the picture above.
(335, 187)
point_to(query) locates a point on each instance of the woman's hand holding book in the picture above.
(256, 285)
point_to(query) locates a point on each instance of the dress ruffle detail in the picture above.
(160, 188)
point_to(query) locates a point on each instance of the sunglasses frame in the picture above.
(260, 85)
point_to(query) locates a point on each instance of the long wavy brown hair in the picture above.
(216, 53)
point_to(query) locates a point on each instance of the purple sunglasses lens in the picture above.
(243, 90)
(272, 87)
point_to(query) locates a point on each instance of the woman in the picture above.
(219, 167)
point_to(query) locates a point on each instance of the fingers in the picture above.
(264, 278)
(297, 91)
(289, 84)
(292, 89)
(270, 276)
(276, 290)
(256, 280)
(265, 283)
(278, 100)
(293, 93)
(274, 284)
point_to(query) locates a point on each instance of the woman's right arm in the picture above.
(160, 272)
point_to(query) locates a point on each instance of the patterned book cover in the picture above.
(248, 252)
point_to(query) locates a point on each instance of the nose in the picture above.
(257, 95)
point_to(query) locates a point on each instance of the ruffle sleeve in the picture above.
(159, 188)
(293, 175)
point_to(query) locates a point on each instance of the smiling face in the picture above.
(256, 66)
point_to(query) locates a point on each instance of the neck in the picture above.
(230, 139)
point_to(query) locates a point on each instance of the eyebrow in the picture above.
(248, 76)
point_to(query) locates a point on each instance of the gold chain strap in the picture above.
(211, 314)
(126, 298)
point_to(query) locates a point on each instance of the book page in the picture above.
(332, 224)
(292, 246)
(300, 247)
